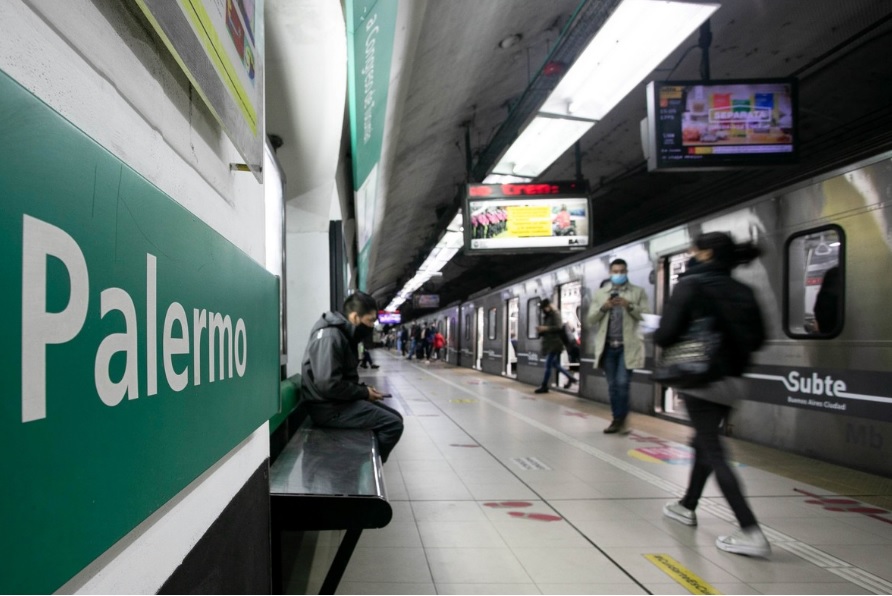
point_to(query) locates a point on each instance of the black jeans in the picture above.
(386, 422)
(709, 456)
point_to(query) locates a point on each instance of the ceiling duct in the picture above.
(579, 31)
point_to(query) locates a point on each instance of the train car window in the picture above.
(532, 318)
(467, 326)
(492, 323)
(815, 283)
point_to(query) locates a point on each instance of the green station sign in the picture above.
(139, 346)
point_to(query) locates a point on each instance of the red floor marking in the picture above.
(508, 504)
(844, 505)
(647, 439)
(535, 516)
(580, 414)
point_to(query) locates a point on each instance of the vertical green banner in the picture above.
(139, 346)
(371, 25)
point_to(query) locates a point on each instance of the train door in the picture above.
(668, 401)
(570, 300)
(478, 344)
(448, 345)
(512, 310)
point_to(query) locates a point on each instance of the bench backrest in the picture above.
(289, 418)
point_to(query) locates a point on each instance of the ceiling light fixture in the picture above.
(511, 40)
(629, 46)
(451, 242)
(543, 141)
(504, 179)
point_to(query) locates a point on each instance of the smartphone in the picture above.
(386, 395)
(614, 295)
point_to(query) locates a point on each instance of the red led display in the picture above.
(525, 190)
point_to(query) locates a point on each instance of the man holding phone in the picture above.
(617, 307)
(330, 384)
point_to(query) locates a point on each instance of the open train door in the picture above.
(666, 399)
(512, 312)
(478, 340)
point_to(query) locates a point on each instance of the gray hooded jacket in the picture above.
(328, 371)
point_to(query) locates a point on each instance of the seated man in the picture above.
(330, 385)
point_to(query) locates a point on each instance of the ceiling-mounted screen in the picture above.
(389, 317)
(533, 217)
(697, 125)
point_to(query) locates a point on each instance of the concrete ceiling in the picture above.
(457, 76)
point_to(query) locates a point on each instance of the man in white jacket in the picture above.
(617, 308)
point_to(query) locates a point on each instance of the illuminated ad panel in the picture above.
(527, 217)
(219, 45)
(725, 124)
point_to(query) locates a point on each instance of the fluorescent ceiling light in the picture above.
(451, 242)
(543, 141)
(503, 179)
(637, 37)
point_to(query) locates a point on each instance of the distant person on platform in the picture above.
(439, 344)
(365, 360)
(617, 307)
(330, 385)
(552, 330)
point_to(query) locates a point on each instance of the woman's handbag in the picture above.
(691, 362)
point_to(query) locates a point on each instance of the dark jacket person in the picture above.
(708, 290)
(330, 385)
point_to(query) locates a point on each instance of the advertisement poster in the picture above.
(219, 45)
(723, 124)
(526, 223)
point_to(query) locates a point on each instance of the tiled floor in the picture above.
(496, 490)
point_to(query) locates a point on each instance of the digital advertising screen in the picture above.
(426, 300)
(387, 317)
(532, 217)
(694, 125)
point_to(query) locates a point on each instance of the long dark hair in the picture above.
(725, 252)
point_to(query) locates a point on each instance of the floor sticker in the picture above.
(530, 463)
(681, 574)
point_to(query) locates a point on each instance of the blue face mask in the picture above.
(619, 279)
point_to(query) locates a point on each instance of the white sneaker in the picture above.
(675, 510)
(750, 542)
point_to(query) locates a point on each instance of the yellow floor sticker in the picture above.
(691, 582)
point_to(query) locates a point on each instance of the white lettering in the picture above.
(794, 381)
(116, 365)
(223, 326)
(241, 363)
(40, 327)
(175, 345)
(199, 323)
(110, 392)
(151, 325)
(814, 385)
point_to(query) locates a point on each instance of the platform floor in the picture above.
(496, 490)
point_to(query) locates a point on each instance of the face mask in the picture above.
(362, 332)
(619, 279)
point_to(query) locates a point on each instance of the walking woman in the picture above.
(707, 290)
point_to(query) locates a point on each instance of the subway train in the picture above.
(821, 386)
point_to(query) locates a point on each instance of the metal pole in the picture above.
(704, 43)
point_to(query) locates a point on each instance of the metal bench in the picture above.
(328, 479)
